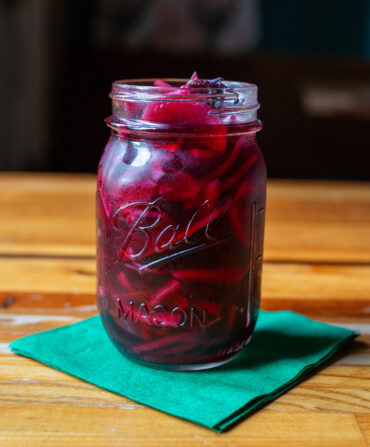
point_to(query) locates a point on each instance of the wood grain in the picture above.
(317, 263)
(303, 223)
(318, 221)
(280, 281)
(109, 423)
(33, 214)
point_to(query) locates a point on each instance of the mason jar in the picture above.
(180, 221)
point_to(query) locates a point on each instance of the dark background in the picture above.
(310, 59)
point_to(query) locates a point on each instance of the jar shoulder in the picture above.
(132, 157)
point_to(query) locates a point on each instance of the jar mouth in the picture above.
(234, 93)
(234, 103)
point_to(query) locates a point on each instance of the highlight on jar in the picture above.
(180, 220)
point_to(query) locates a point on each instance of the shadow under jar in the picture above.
(180, 222)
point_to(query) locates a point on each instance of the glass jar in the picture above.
(180, 222)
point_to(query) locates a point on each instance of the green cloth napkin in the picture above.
(284, 348)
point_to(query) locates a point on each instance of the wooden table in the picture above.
(317, 262)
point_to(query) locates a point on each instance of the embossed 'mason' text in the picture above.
(159, 315)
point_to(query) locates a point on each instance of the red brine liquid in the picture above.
(180, 219)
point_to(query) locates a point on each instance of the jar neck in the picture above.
(122, 129)
(156, 138)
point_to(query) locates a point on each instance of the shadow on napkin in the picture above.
(277, 346)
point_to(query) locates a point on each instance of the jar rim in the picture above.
(148, 83)
(240, 93)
